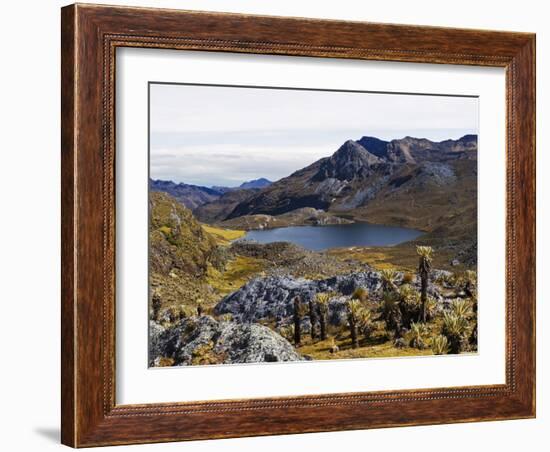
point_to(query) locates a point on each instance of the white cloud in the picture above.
(230, 166)
(183, 108)
(222, 136)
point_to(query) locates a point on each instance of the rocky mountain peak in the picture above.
(359, 174)
(256, 183)
(351, 160)
(375, 146)
(468, 138)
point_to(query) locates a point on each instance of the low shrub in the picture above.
(391, 313)
(228, 317)
(440, 345)
(411, 305)
(455, 329)
(462, 308)
(287, 331)
(417, 333)
(360, 294)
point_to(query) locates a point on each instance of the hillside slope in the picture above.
(219, 209)
(409, 182)
(191, 196)
(181, 251)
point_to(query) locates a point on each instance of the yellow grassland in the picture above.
(223, 236)
(237, 272)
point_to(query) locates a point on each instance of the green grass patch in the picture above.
(401, 257)
(223, 236)
(166, 230)
(377, 347)
(237, 273)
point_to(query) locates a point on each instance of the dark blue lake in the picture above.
(334, 236)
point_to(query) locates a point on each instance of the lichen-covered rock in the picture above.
(155, 343)
(272, 297)
(204, 340)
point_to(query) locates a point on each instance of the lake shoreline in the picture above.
(326, 237)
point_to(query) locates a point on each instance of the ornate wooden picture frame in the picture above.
(90, 37)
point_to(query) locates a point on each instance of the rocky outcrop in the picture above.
(204, 340)
(272, 297)
(298, 217)
(219, 209)
(180, 253)
(177, 240)
(349, 162)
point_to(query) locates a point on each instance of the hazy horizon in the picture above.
(224, 136)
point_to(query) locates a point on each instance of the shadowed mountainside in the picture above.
(365, 173)
(193, 196)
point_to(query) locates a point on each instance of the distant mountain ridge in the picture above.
(256, 183)
(193, 196)
(410, 182)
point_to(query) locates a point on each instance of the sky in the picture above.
(214, 135)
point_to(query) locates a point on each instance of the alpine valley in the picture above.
(220, 298)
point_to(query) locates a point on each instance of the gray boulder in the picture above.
(337, 311)
(155, 342)
(272, 297)
(204, 340)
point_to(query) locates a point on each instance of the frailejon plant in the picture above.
(300, 311)
(445, 279)
(226, 317)
(174, 314)
(312, 319)
(333, 347)
(424, 268)
(322, 300)
(409, 304)
(389, 277)
(156, 304)
(470, 283)
(473, 334)
(366, 325)
(440, 345)
(466, 284)
(431, 308)
(462, 308)
(360, 294)
(287, 331)
(354, 311)
(418, 332)
(297, 321)
(455, 329)
(391, 313)
(199, 307)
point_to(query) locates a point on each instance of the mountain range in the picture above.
(367, 170)
(193, 196)
(410, 182)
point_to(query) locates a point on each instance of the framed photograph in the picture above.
(281, 225)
